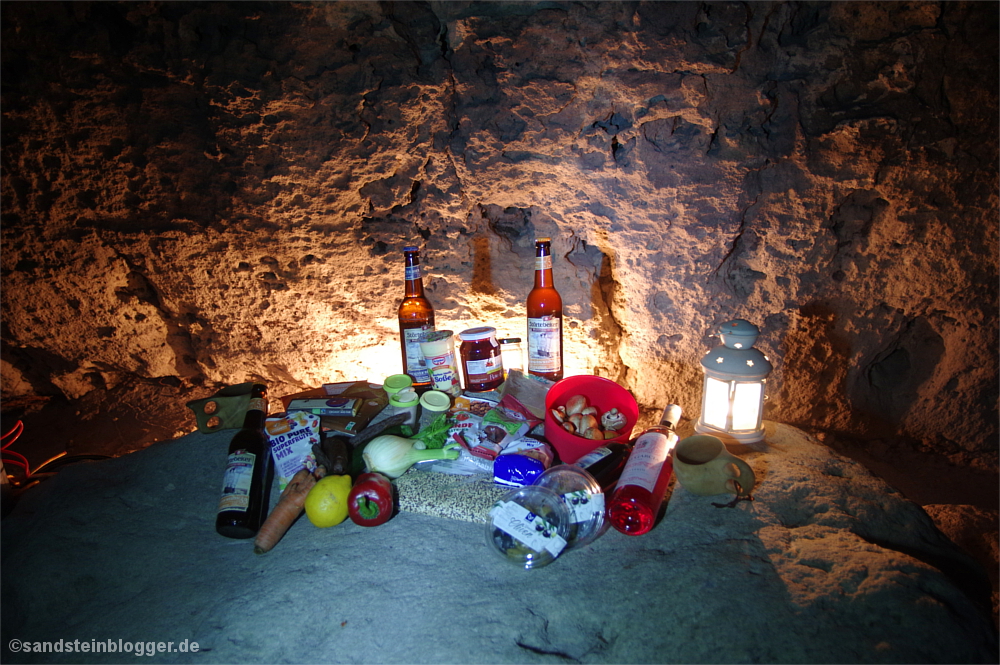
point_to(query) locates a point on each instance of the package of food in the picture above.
(476, 445)
(529, 389)
(508, 421)
(522, 462)
(292, 436)
(372, 396)
(332, 406)
(465, 418)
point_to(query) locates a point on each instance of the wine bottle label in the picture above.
(593, 457)
(543, 344)
(415, 366)
(543, 263)
(526, 527)
(237, 480)
(644, 465)
(412, 272)
(583, 505)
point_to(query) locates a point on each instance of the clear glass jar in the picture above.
(510, 351)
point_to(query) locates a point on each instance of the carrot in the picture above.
(287, 510)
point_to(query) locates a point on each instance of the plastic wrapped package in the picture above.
(529, 526)
(584, 499)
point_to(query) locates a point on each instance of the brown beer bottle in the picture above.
(545, 333)
(416, 318)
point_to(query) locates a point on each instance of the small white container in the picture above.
(432, 404)
(406, 401)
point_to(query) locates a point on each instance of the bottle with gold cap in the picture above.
(416, 319)
(545, 318)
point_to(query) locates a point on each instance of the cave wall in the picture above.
(206, 192)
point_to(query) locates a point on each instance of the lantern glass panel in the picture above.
(716, 403)
(746, 405)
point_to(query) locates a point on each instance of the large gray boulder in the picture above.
(827, 564)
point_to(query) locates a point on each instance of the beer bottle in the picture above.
(416, 318)
(246, 486)
(545, 333)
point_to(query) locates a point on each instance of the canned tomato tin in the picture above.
(482, 366)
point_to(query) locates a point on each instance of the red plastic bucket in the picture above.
(603, 394)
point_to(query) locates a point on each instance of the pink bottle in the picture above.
(636, 501)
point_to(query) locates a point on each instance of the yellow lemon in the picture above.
(326, 503)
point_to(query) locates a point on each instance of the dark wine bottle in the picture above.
(246, 486)
(606, 464)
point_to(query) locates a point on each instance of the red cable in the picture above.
(20, 464)
(21, 460)
(19, 427)
(19, 456)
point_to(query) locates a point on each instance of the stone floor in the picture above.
(827, 564)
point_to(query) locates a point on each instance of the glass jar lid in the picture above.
(473, 334)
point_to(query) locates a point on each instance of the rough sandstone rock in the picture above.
(205, 192)
(975, 531)
(827, 564)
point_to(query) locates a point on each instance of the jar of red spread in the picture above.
(482, 367)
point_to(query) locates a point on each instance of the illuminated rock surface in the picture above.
(197, 193)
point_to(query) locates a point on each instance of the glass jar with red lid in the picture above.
(482, 366)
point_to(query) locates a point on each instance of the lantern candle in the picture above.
(733, 395)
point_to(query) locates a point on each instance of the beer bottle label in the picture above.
(415, 366)
(543, 262)
(543, 344)
(237, 480)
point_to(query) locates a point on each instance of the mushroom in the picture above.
(576, 404)
(587, 422)
(613, 420)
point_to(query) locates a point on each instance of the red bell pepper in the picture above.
(370, 500)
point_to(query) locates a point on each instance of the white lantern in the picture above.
(732, 403)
